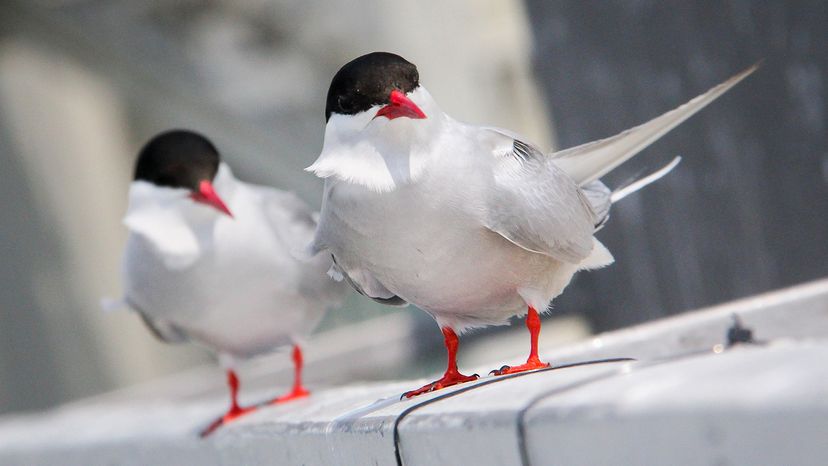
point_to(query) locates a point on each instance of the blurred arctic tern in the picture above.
(472, 224)
(218, 261)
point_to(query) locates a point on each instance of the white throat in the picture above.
(378, 153)
(176, 226)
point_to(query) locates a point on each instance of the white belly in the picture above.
(432, 256)
(242, 296)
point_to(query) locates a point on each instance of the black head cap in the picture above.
(368, 81)
(178, 159)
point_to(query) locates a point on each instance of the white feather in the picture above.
(377, 153)
(159, 214)
(335, 273)
(588, 162)
(243, 291)
(642, 183)
(461, 220)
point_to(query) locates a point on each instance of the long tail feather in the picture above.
(588, 162)
(626, 190)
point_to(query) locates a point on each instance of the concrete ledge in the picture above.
(687, 400)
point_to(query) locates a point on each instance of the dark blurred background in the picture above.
(746, 210)
(83, 83)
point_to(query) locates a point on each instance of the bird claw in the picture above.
(499, 371)
(231, 415)
(447, 380)
(295, 394)
(529, 366)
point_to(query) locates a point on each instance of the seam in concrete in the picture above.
(410, 409)
(521, 415)
(523, 449)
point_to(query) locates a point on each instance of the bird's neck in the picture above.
(389, 155)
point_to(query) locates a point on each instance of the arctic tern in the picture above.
(219, 261)
(471, 224)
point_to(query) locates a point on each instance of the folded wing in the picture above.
(536, 205)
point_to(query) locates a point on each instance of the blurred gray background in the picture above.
(84, 83)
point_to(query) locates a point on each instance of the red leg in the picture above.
(298, 390)
(533, 362)
(235, 411)
(452, 375)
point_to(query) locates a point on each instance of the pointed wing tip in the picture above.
(744, 73)
(641, 136)
(716, 91)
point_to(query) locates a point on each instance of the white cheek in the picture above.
(378, 153)
(345, 128)
(166, 217)
(167, 230)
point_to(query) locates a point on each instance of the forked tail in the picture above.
(591, 161)
(634, 185)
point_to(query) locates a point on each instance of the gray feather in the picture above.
(600, 199)
(537, 206)
(592, 160)
(392, 300)
(162, 329)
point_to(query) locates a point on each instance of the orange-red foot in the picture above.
(299, 390)
(449, 379)
(231, 415)
(295, 394)
(530, 365)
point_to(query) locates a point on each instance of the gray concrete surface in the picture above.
(688, 399)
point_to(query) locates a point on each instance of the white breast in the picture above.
(426, 244)
(245, 293)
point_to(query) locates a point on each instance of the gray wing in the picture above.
(162, 329)
(294, 223)
(600, 199)
(592, 160)
(289, 217)
(536, 205)
(378, 292)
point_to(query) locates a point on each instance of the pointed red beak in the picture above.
(400, 106)
(207, 195)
